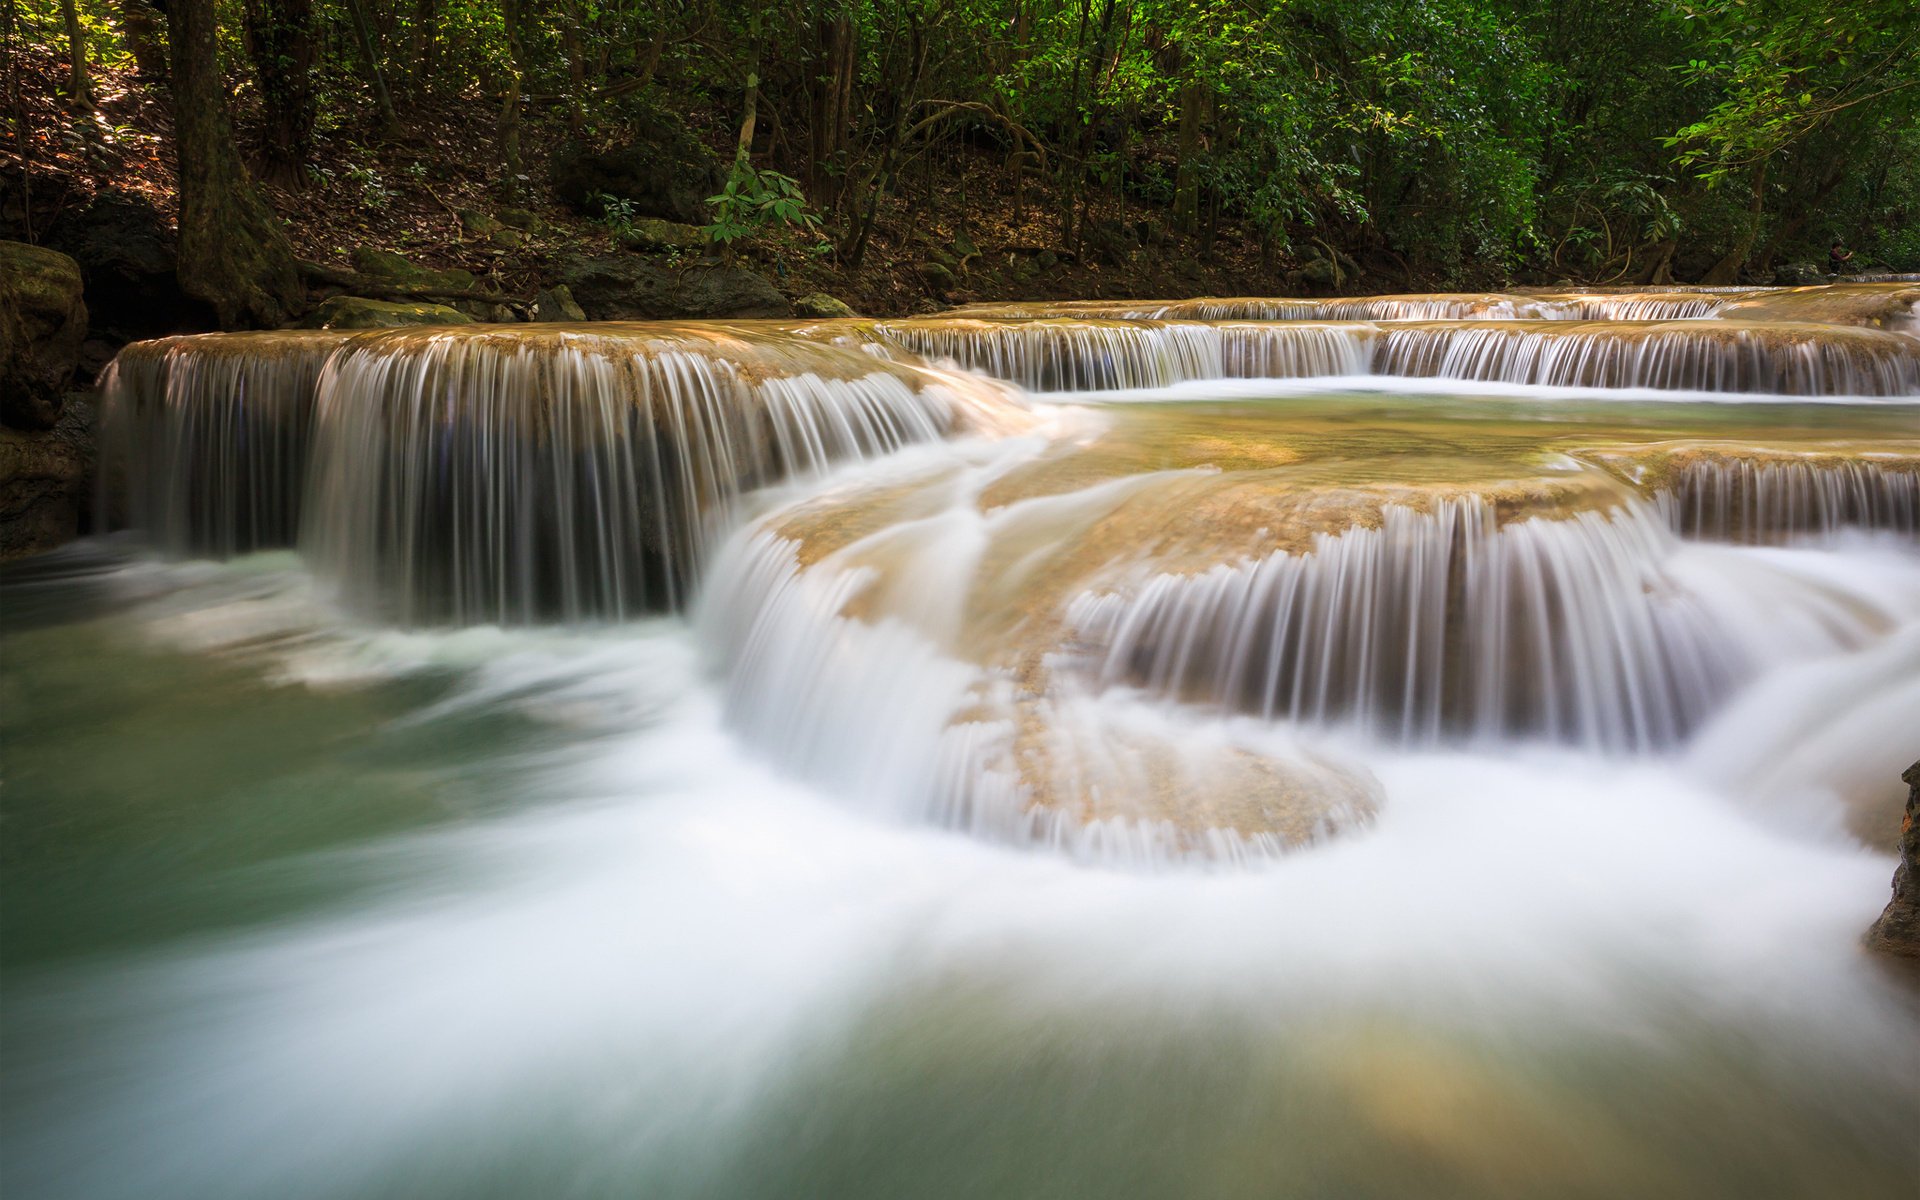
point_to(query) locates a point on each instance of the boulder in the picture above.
(45, 482)
(630, 288)
(476, 222)
(397, 268)
(667, 173)
(43, 323)
(128, 259)
(820, 304)
(556, 304)
(1898, 929)
(356, 312)
(523, 219)
(1799, 274)
(938, 278)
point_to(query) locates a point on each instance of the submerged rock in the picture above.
(357, 312)
(1898, 929)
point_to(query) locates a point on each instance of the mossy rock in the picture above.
(476, 222)
(523, 219)
(396, 268)
(650, 233)
(557, 304)
(358, 312)
(43, 321)
(820, 304)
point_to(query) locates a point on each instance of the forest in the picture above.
(906, 153)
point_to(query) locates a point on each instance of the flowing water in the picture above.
(1419, 746)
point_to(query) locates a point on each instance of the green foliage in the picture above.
(754, 202)
(1466, 139)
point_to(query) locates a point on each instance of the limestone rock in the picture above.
(396, 268)
(556, 304)
(820, 304)
(45, 482)
(43, 322)
(629, 288)
(1799, 274)
(666, 172)
(1898, 929)
(356, 312)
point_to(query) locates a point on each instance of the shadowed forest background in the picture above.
(235, 162)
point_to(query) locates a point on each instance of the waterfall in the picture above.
(206, 438)
(502, 475)
(1055, 354)
(1778, 359)
(1765, 498)
(1593, 629)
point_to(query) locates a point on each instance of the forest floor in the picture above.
(403, 192)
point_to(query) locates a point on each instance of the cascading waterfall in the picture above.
(1754, 499)
(1404, 584)
(475, 475)
(1781, 359)
(506, 477)
(1588, 629)
(1056, 354)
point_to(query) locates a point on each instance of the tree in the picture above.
(234, 254)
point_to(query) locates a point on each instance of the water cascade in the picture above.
(483, 475)
(1062, 354)
(1740, 494)
(1423, 746)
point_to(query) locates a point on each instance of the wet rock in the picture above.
(556, 304)
(820, 304)
(1898, 929)
(43, 323)
(628, 288)
(653, 234)
(45, 482)
(667, 173)
(1799, 274)
(397, 268)
(357, 312)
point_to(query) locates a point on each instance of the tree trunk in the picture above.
(281, 41)
(425, 48)
(1728, 268)
(234, 254)
(832, 109)
(79, 90)
(389, 121)
(1186, 179)
(140, 28)
(513, 13)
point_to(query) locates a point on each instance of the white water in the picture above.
(676, 972)
(937, 851)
